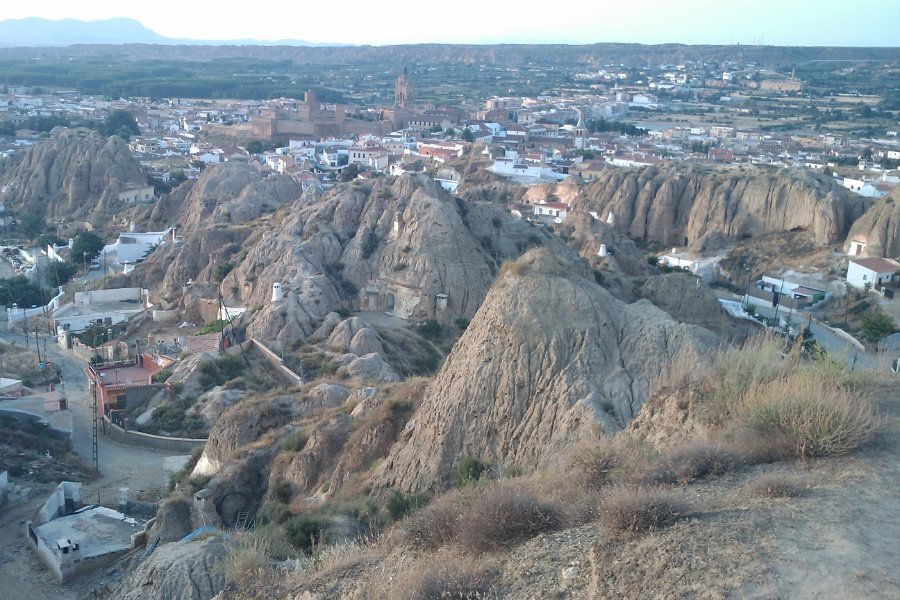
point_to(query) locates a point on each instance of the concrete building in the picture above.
(868, 273)
(102, 307)
(132, 246)
(72, 540)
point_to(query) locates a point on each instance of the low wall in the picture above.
(843, 335)
(288, 376)
(147, 440)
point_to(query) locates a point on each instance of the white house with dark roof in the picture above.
(867, 273)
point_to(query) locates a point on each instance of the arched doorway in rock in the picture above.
(389, 303)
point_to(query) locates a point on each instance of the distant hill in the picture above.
(35, 32)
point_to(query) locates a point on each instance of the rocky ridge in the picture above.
(548, 359)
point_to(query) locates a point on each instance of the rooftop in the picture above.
(96, 530)
(879, 265)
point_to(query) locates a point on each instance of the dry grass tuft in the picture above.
(776, 485)
(246, 556)
(817, 416)
(455, 580)
(692, 462)
(434, 525)
(627, 509)
(504, 515)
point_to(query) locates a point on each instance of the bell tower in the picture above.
(403, 90)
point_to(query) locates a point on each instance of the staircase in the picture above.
(243, 520)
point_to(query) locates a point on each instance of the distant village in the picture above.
(529, 140)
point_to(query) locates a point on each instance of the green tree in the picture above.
(30, 225)
(87, 247)
(120, 122)
(876, 325)
(19, 290)
(94, 335)
(177, 176)
(255, 147)
(59, 273)
(467, 135)
(350, 172)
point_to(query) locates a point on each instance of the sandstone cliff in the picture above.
(679, 205)
(230, 193)
(76, 175)
(549, 359)
(184, 570)
(879, 228)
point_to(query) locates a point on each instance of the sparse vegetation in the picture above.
(213, 327)
(639, 509)
(469, 470)
(295, 441)
(776, 486)
(505, 515)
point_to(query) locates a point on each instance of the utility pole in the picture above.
(94, 456)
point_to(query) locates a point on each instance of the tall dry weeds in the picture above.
(817, 415)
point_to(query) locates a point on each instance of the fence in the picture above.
(273, 359)
(146, 440)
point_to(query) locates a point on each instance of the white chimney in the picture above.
(277, 293)
(602, 251)
(611, 219)
(131, 226)
(71, 243)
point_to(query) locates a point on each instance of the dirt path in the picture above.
(843, 540)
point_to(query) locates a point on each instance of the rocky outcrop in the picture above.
(76, 175)
(686, 205)
(687, 299)
(229, 193)
(549, 359)
(238, 426)
(185, 570)
(878, 229)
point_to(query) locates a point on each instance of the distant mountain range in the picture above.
(36, 32)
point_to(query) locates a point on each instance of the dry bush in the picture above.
(819, 417)
(448, 580)
(692, 462)
(515, 268)
(631, 509)
(757, 448)
(735, 370)
(503, 515)
(434, 525)
(246, 555)
(686, 367)
(598, 463)
(776, 485)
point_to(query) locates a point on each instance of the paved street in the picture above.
(120, 465)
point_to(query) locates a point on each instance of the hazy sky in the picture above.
(775, 22)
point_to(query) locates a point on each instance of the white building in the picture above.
(132, 246)
(866, 273)
(558, 210)
(142, 194)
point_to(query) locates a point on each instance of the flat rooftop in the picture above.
(130, 375)
(98, 308)
(97, 531)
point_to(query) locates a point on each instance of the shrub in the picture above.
(469, 470)
(369, 243)
(304, 531)
(598, 463)
(818, 417)
(295, 441)
(400, 266)
(775, 486)
(161, 375)
(461, 323)
(637, 509)
(221, 270)
(213, 327)
(429, 329)
(434, 525)
(398, 504)
(692, 462)
(515, 268)
(876, 325)
(444, 581)
(246, 555)
(503, 516)
(281, 490)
